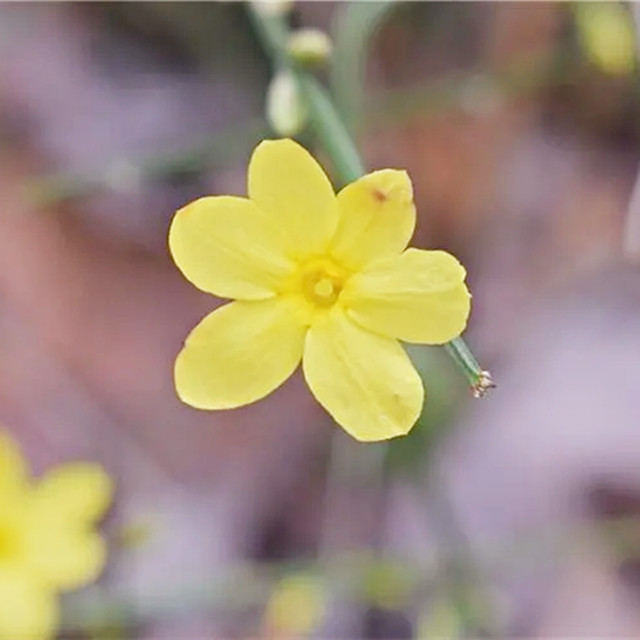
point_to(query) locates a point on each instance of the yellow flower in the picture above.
(606, 33)
(47, 542)
(316, 277)
(295, 607)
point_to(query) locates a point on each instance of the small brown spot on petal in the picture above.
(380, 196)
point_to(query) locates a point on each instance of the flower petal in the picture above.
(377, 218)
(365, 381)
(27, 610)
(77, 493)
(61, 547)
(287, 183)
(418, 296)
(239, 354)
(62, 556)
(226, 246)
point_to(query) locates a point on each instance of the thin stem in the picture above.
(353, 30)
(351, 468)
(461, 572)
(479, 380)
(331, 130)
(340, 147)
(272, 32)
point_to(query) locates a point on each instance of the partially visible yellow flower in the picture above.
(442, 620)
(317, 278)
(606, 33)
(47, 540)
(295, 607)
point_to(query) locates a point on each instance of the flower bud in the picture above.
(286, 110)
(310, 47)
(272, 7)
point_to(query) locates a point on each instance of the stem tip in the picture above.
(483, 384)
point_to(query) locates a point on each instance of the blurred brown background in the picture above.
(523, 152)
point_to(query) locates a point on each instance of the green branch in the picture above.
(339, 145)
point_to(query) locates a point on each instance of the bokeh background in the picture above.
(517, 515)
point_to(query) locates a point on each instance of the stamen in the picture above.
(324, 288)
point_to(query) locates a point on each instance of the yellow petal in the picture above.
(288, 184)
(239, 354)
(365, 381)
(60, 545)
(62, 556)
(377, 218)
(13, 471)
(78, 492)
(418, 296)
(28, 611)
(226, 246)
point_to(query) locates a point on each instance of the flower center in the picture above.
(322, 281)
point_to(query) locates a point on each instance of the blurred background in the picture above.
(517, 515)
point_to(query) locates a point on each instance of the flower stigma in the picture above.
(321, 281)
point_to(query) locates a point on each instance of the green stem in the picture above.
(331, 130)
(462, 575)
(272, 32)
(339, 145)
(479, 380)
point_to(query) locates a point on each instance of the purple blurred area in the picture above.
(526, 180)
